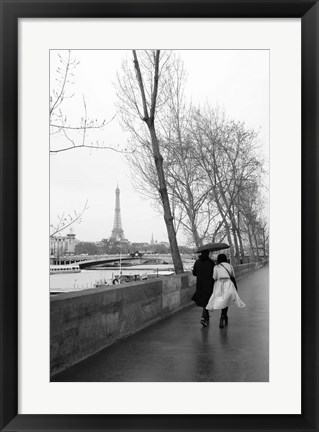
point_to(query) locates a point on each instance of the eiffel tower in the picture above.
(117, 231)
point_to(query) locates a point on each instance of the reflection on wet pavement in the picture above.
(179, 349)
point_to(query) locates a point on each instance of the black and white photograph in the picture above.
(159, 215)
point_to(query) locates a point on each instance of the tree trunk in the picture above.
(158, 159)
(233, 224)
(256, 244)
(250, 243)
(230, 241)
(192, 218)
(220, 224)
(264, 243)
(242, 252)
(197, 240)
(235, 239)
(193, 228)
(149, 116)
(227, 227)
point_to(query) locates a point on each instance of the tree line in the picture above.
(204, 170)
(105, 246)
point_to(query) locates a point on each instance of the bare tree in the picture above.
(141, 96)
(189, 195)
(77, 135)
(255, 223)
(209, 162)
(226, 153)
(264, 232)
(68, 135)
(65, 221)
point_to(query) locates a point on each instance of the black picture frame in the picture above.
(11, 11)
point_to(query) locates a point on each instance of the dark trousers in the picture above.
(205, 314)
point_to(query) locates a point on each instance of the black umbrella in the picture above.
(213, 247)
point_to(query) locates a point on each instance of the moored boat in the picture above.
(66, 268)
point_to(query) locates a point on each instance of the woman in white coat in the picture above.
(224, 293)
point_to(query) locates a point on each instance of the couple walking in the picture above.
(215, 287)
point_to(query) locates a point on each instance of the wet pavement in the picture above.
(178, 349)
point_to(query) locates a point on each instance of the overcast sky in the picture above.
(237, 81)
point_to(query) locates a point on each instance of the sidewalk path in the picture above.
(178, 348)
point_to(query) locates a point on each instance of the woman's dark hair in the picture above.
(221, 258)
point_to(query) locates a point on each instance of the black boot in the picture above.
(205, 318)
(204, 323)
(221, 321)
(224, 317)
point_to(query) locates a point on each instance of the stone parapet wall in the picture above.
(82, 323)
(244, 269)
(85, 322)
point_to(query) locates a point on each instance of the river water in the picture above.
(87, 278)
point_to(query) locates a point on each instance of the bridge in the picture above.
(107, 260)
(95, 260)
(178, 349)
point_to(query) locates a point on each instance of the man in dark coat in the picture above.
(203, 270)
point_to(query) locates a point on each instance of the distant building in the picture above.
(62, 245)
